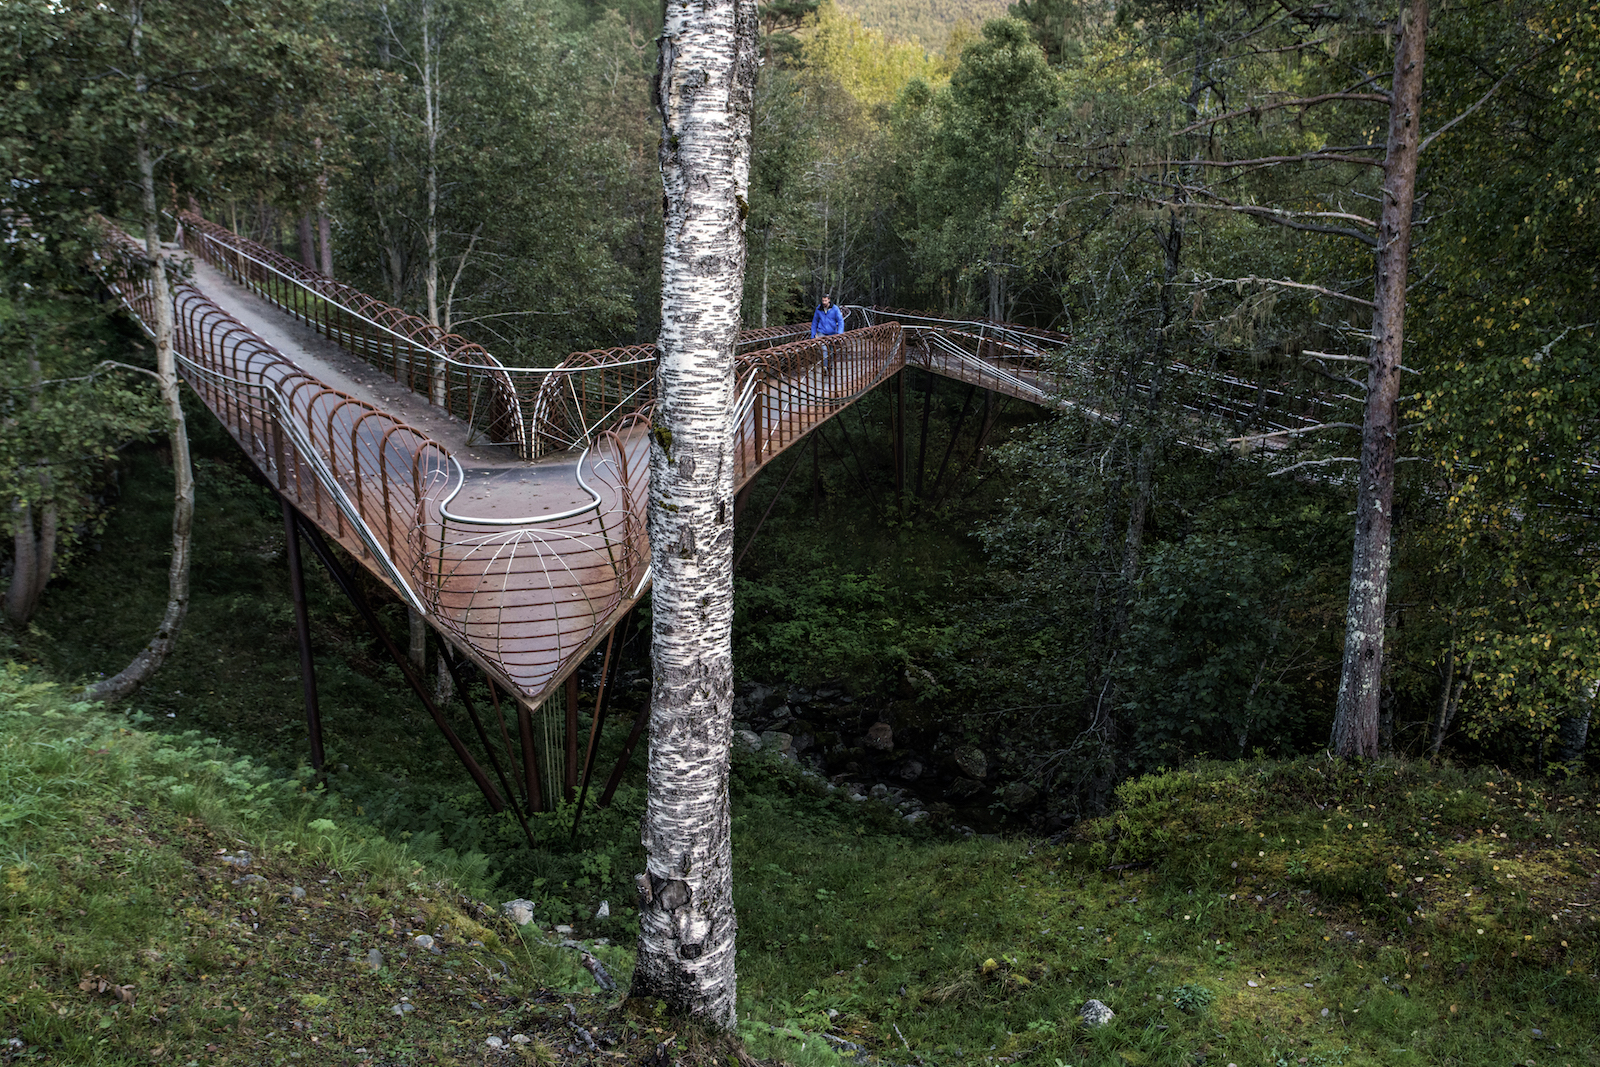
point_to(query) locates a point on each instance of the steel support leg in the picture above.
(570, 779)
(342, 578)
(302, 629)
(900, 439)
(922, 448)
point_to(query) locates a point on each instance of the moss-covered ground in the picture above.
(1253, 913)
(1250, 913)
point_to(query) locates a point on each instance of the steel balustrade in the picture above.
(527, 596)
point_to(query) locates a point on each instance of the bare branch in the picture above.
(1282, 217)
(1335, 459)
(1268, 161)
(1296, 432)
(1304, 101)
(1252, 279)
(1352, 359)
(1484, 99)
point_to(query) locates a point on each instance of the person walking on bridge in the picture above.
(826, 322)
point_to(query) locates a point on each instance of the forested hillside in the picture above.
(926, 22)
(1318, 478)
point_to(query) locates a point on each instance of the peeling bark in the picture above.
(704, 89)
(1355, 724)
(154, 654)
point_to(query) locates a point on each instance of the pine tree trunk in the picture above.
(23, 593)
(704, 88)
(1355, 724)
(35, 554)
(154, 654)
(308, 243)
(324, 223)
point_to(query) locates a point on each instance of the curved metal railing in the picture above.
(520, 597)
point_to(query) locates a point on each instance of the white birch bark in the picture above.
(1355, 723)
(705, 85)
(154, 654)
(431, 91)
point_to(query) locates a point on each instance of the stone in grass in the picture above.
(518, 911)
(1095, 1013)
(405, 1007)
(426, 942)
(250, 879)
(604, 910)
(494, 1042)
(297, 893)
(374, 960)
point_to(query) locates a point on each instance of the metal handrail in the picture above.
(532, 520)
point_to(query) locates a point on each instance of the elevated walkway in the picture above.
(505, 504)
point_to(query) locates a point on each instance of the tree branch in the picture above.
(1252, 279)
(1268, 161)
(1484, 99)
(1282, 217)
(1334, 459)
(1304, 101)
(1295, 433)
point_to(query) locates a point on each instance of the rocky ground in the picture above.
(864, 749)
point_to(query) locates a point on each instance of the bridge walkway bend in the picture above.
(505, 504)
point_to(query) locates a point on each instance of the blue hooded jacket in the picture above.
(826, 322)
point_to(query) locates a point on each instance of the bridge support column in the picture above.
(922, 447)
(342, 579)
(570, 778)
(302, 629)
(900, 438)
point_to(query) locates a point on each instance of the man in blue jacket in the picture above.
(826, 322)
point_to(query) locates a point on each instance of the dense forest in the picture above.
(1189, 192)
(1054, 602)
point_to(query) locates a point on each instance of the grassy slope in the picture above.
(1396, 915)
(125, 938)
(928, 22)
(1250, 913)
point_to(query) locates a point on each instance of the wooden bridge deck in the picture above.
(506, 504)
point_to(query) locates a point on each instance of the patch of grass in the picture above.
(1242, 912)
(134, 930)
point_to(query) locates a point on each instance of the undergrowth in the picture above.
(1251, 913)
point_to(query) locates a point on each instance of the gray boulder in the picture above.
(972, 761)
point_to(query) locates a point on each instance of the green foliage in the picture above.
(539, 205)
(1201, 662)
(1508, 404)
(62, 416)
(860, 60)
(1192, 999)
(933, 24)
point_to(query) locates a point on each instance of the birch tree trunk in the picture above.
(154, 654)
(705, 86)
(432, 90)
(1355, 723)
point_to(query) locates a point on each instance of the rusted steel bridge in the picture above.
(506, 504)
